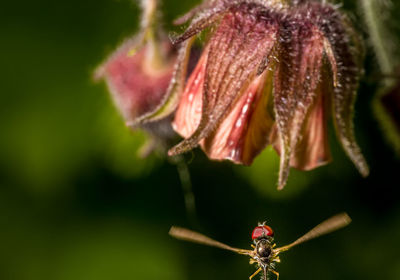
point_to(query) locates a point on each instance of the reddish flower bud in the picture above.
(138, 75)
(136, 86)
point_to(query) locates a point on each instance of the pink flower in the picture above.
(136, 86)
(270, 74)
(138, 75)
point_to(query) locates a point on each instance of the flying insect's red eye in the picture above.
(262, 231)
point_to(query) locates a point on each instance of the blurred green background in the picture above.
(77, 203)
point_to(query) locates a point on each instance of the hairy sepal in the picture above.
(234, 54)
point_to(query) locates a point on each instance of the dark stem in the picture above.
(186, 183)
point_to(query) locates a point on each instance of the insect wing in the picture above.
(192, 236)
(334, 223)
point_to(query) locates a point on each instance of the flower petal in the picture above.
(348, 53)
(244, 132)
(312, 150)
(235, 51)
(295, 85)
(188, 114)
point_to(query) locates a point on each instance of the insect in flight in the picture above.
(264, 253)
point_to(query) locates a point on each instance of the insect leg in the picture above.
(255, 273)
(276, 273)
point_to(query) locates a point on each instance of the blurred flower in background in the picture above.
(138, 74)
(139, 77)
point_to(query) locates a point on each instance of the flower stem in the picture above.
(388, 62)
(184, 176)
(155, 59)
(378, 34)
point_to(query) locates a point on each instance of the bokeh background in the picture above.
(77, 203)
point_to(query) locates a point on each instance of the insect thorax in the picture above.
(263, 250)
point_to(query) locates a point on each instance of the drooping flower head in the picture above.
(271, 72)
(138, 75)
